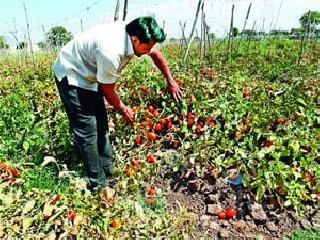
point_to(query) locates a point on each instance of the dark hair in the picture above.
(146, 28)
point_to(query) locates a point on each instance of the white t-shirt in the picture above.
(97, 55)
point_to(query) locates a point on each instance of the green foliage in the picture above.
(313, 20)
(59, 36)
(33, 124)
(249, 32)
(22, 45)
(308, 234)
(3, 44)
(234, 32)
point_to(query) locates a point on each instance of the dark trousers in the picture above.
(88, 121)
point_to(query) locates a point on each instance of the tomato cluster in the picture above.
(228, 213)
(154, 125)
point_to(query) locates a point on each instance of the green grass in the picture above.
(45, 178)
(308, 234)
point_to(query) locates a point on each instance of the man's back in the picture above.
(105, 45)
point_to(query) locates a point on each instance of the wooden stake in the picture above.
(303, 40)
(116, 12)
(202, 38)
(250, 37)
(125, 9)
(230, 35)
(183, 40)
(29, 38)
(184, 61)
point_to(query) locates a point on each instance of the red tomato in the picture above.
(210, 121)
(115, 223)
(138, 140)
(190, 122)
(245, 93)
(281, 120)
(158, 127)
(222, 215)
(15, 172)
(163, 121)
(151, 200)
(198, 129)
(267, 143)
(151, 158)
(152, 136)
(151, 191)
(169, 125)
(230, 212)
(150, 108)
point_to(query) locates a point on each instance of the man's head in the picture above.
(144, 33)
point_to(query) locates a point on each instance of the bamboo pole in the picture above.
(230, 38)
(29, 38)
(243, 28)
(250, 37)
(303, 40)
(202, 38)
(116, 12)
(15, 36)
(191, 34)
(208, 36)
(183, 40)
(125, 9)
(247, 17)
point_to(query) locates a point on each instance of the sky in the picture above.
(45, 14)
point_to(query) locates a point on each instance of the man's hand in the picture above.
(174, 89)
(128, 115)
(113, 98)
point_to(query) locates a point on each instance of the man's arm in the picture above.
(112, 97)
(173, 88)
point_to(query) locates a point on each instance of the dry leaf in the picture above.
(29, 206)
(107, 194)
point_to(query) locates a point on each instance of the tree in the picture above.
(59, 36)
(42, 45)
(212, 36)
(234, 31)
(314, 19)
(22, 45)
(249, 32)
(3, 44)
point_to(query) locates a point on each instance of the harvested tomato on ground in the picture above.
(222, 215)
(151, 200)
(151, 191)
(230, 212)
(138, 140)
(151, 136)
(115, 223)
(151, 158)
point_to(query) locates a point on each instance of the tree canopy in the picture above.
(59, 36)
(3, 44)
(314, 19)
